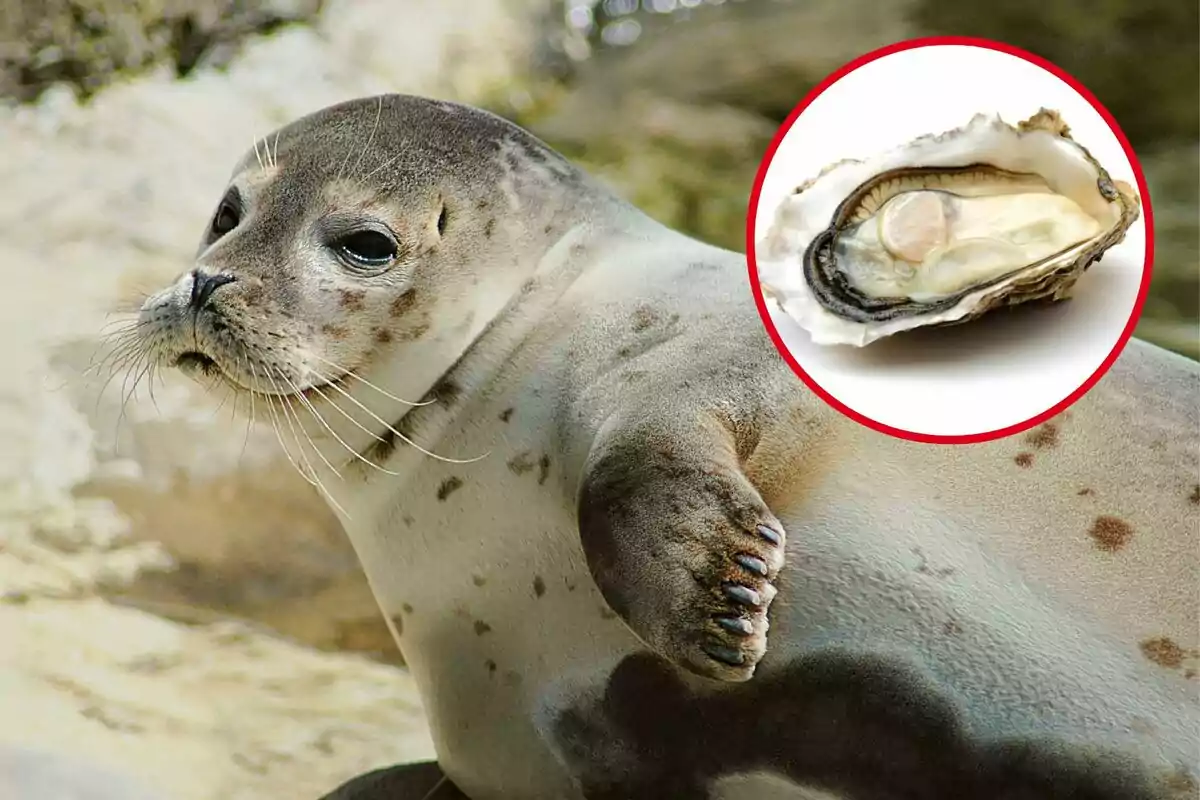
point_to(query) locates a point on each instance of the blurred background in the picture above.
(168, 585)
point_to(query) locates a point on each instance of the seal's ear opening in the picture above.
(435, 228)
(443, 216)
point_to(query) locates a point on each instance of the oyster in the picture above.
(943, 229)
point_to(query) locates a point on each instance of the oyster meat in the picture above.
(943, 229)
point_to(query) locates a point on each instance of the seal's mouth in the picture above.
(194, 361)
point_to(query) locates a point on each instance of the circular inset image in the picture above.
(949, 240)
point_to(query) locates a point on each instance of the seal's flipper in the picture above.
(680, 543)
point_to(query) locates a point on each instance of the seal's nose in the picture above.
(204, 284)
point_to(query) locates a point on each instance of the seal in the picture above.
(581, 481)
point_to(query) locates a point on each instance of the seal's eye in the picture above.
(367, 249)
(226, 219)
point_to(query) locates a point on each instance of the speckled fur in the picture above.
(945, 625)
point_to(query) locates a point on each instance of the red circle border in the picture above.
(821, 88)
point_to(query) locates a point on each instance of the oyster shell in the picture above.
(942, 230)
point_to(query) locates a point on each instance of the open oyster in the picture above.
(942, 230)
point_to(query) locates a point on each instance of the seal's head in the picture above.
(384, 223)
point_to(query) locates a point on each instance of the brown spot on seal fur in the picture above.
(382, 449)
(481, 627)
(491, 666)
(404, 303)
(406, 608)
(506, 415)
(543, 469)
(1194, 497)
(539, 585)
(489, 228)
(1110, 533)
(1084, 492)
(352, 299)
(335, 332)
(448, 487)
(1164, 652)
(1043, 437)
(398, 623)
(445, 393)
(1023, 459)
(520, 463)
(478, 580)
(383, 336)
(416, 331)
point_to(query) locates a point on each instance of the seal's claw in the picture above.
(753, 563)
(739, 626)
(743, 595)
(770, 534)
(729, 655)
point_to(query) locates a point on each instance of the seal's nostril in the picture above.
(204, 284)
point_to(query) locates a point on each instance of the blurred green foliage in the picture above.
(1141, 58)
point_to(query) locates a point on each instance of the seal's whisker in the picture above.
(299, 395)
(257, 154)
(341, 441)
(287, 451)
(135, 372)
(382, 166)
(122, 325)
(275, 157)
(152, 373)
(285, 407)
(250, 420)
(113, 361)
(123, 368)
(120, 364)
(114, 348)
(404, 438)
(128, 388)
(336, 407)
(371, 137)
(112, 373)
(367, 383)
(116, 345)
(279, 433)
(225, 395)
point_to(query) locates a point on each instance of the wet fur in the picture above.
(955, 596)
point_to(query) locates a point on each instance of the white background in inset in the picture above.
(1005, 368)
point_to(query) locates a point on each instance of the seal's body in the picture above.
(579, 532)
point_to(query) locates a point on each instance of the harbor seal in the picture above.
(581, 480)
